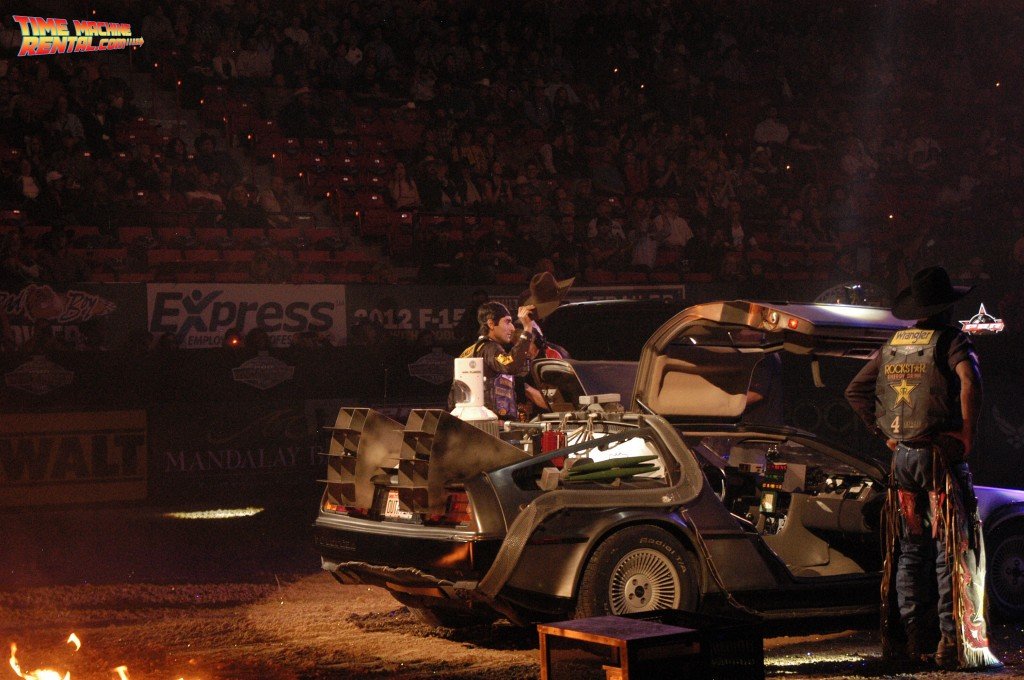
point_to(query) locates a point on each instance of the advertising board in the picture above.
(70, 458)
(199, 315)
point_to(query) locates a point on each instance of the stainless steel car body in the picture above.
(528, 543)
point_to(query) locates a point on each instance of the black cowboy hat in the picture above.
(929, 293)
(546, 293)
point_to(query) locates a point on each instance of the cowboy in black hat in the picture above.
(922, 392)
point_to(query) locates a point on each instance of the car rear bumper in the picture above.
(380, 553)
(402, 580)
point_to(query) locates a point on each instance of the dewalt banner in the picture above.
(70, 458)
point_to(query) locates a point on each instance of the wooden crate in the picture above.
(657, 644)
(614, 648)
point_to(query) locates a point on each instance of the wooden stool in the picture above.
(615, 648)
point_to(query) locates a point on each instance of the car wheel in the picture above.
(638, 569)
(451, 618)
(1004, 563)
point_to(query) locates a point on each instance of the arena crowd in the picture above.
(783, 147)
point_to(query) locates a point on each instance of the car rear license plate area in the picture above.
(388, 507)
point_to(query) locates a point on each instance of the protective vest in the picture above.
(499, 388)
(912, 390)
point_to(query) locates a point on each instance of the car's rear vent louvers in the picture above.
(363, 442)
(412, 483)
(414, 464)
(432, 450)
(439, 449)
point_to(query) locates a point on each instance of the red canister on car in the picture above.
(553, 440)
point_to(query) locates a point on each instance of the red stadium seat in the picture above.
(210, 236)
(510, 278)
(345, 277)
(765, 256)
(129, 235)
(787, 258)
(86, 231)
(288, 237)
(202, 255)
(313, 256)
(231, 277)
(174, 236)
(115, 258)
(601, 276)
(309, 277)
(820, 258)
(193, 276)
(147, 276)
(631, 277)
(238, 255)
(665, 277)
(33, 232)
(161, 256)
(249, 235)
(400, 241)
(373, 222)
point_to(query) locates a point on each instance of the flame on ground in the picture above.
(43, 674)
(46, 674)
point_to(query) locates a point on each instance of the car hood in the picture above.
(992, 498)
(698, 363)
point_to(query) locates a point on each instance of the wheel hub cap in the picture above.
(1007, 573)
(644, 580)
(638, 591)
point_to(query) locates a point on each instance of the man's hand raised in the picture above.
(526, 318)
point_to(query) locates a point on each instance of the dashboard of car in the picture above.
(762, 480)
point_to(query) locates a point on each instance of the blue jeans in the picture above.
(922, 575)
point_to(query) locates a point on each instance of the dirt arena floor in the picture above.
(165, 598)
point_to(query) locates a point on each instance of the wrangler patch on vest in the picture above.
(912, 336)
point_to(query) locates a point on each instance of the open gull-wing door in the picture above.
(559, 383)
(564, 381)
(699, 363)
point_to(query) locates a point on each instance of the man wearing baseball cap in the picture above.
(922, 392)
(501, 365)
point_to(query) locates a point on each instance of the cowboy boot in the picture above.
(919, 651)
(946, 656)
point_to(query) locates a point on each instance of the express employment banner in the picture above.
(199, 315)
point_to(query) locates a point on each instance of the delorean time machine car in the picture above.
(673, 503)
